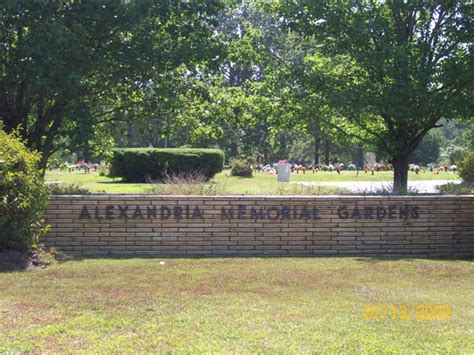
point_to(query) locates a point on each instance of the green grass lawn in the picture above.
(261, 183)
(235, 304)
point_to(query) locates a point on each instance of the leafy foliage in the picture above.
(192, 183)
(140, 164)
(385, 72)
(458, 140)
(240, 167)
(300, 79)
(457, 189)
(23, 195)
(429, 149)
(466, 168)
(68, 66)
(453, 153)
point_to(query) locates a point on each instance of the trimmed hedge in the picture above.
(140, 164)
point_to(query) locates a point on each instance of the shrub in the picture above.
(23, 195)
(189, 183)
(186, 178)
(140, 164)
(68, 189)
(466, 168)
(457, 189)
(240, 167)
(284, 189)
(385, 190)
(103, 171)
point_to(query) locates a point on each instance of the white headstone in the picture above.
(284, 170)
(371, 159)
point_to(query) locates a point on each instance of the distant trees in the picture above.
(428, 151)
(458, 139)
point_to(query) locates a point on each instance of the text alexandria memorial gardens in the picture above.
(178, 212)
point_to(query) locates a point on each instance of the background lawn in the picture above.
(261, 183)
(235, 304)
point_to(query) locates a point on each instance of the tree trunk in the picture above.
(86, 151)
(317, 146)
(283, 149)
(400, 174)
(263, 143)
(359, 159)
(327, 147)
(129, 135)
(266, 154)
(233, 149)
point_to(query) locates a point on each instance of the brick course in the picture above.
(412, 226)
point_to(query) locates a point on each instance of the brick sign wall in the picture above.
(422, 226)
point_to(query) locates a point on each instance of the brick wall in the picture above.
(421, 226)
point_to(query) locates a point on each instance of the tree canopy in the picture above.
(387, 72)
(273, 80)
(78, 60)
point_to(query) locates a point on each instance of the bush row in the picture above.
(140, 164)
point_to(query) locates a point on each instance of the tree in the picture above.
(70, 61)
(387, 71)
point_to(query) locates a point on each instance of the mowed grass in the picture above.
(261, 183)
(235, 304)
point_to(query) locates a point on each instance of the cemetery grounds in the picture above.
(223, 183)
(236, 304)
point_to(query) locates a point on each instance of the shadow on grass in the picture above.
(374, 259)
(12, 260)
(119, 182)
(369, 259)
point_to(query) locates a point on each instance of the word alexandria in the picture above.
(141, 212)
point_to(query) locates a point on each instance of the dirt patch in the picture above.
(11, 260)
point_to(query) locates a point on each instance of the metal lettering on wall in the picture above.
(120, 212)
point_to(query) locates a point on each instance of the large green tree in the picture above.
(69, 63)
(386, 72)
